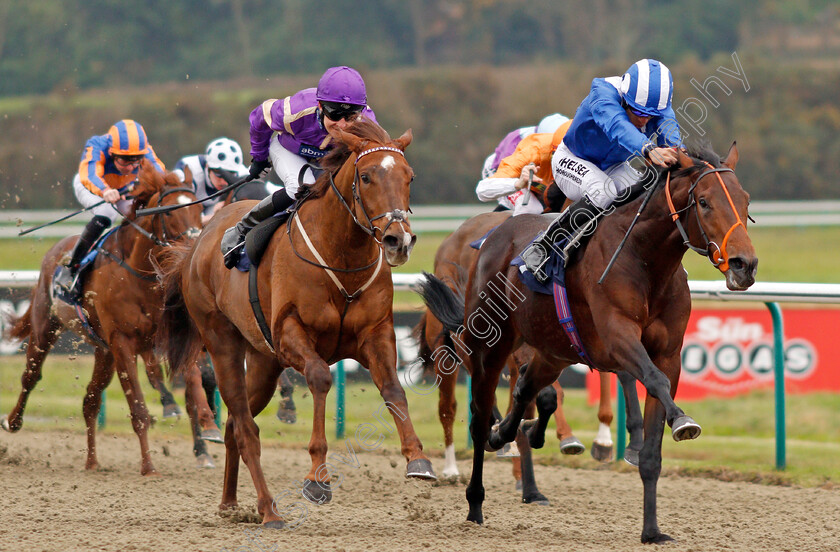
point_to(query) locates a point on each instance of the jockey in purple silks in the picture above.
(305, 123)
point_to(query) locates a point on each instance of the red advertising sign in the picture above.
(728, 352)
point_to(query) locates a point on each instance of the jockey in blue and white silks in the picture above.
(304, 123)
(622, 118)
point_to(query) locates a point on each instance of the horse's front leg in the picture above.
(125, 358)
(298, 348)
(650, 457)
(602, 445)
(627, 351)
(153, 372)
(634, 422)
(379, 354)
(103, 372)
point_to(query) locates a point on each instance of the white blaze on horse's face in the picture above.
(388, 162)
(183, 200)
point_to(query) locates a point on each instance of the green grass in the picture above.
(737, 441)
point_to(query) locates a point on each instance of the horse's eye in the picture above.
(702, 202)
(365, 178)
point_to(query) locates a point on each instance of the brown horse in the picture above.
(453, 259)
(632, 324)
(123, 302)
(326, 295)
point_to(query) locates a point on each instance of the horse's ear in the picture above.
(188, 177)
(684, 160)
(353, 142)
(403, 141)
(731, 157)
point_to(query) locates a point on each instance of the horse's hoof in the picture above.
(451, 473)
(213, 435)
(659, 538)
(204, 461)
(685, 428)
(539, 499)
(316, 492)
(571, 445)
(4, 423)
(171, 411)
(478, 519)
(631, 456)
(275, 524)
(286, 416)
(421, 469)
(509, 450)
(535, 439)
(601, 453)
(518, 485)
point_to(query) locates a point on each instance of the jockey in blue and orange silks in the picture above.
(304, 123)
(623, 118)
(110, 163)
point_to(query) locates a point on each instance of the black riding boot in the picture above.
(67, 273)
(235, 236)
(572, 221)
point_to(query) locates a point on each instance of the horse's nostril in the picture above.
(736, 263)
(390, 241)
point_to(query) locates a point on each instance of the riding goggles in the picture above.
(335, 111)
(128, 159)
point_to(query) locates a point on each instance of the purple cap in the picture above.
(342, 85)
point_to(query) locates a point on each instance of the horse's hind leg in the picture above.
(198, 408)
(103, 372)
(602, 445)
(42, 336)
(634, 418)
(447, 407)
(242, 435)
(539, 374)
(153, 372)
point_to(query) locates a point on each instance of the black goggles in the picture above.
(128, 159)
(337, 111)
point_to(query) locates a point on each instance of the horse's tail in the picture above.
(445, 304)
(424, 350)
(19, 327)
(177, 335)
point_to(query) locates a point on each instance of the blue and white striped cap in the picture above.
(647, 86)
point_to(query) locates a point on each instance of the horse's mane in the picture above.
(700, 152)
(366, 129)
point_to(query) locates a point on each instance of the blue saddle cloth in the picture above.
(554, 267)
(480, 241)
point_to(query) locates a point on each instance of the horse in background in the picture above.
(122, 302)
(632, 324)
(324, 293)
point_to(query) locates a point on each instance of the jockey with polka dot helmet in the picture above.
(220, 166)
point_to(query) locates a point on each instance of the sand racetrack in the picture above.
(50, 503)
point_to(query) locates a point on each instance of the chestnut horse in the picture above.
(632, 324)
(326, 294)
(453, 259)
(123, 302)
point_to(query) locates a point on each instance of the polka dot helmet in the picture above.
(226, 155)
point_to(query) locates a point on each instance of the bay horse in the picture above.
(632, 324)
(123, 301)
(326, 294)
(454, 257)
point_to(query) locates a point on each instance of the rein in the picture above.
(716, 254)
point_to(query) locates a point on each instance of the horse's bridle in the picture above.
(716, 254)
(396, 215)
(163, 241)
